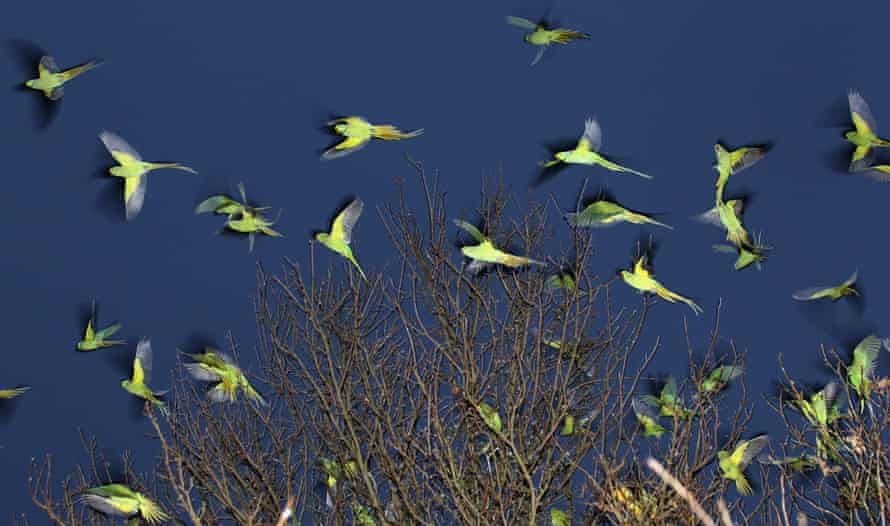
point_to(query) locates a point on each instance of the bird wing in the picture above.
(726, 373)
(213, 203)
(595, 215)
(642, 409)
(345, 147)
(202, 372)
(521, 22)
(108, 331)
(134, 195)
(745, 157)
(112, 490)
(89, 333)
(47, 66)
(669, 391)
(538, 55)
(346, 220)
(142, 363)
(711, 217)
(880, 173)
(866, 352)
(117, 146)
(593, 135)
(473, 231)
(747, 450)
(852, 279)
(104, 505)
(861, 114)
(808, 293)
(829, 392)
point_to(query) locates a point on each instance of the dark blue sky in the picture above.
(235, 91)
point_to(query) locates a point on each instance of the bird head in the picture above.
(29, 83)
(849, 134)
(321, 237)
(340, 128)
(125, 383)
(561, 155)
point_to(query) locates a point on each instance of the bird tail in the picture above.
(175, 166)
(882, 142)
(564, 36)
(79, 70)
(635, 172)
(359, 267)
(388, 132)
(269, 232)
(742, 484)
(548, 164)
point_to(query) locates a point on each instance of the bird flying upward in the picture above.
(864, 136)
(93, 339)
(847, 288)
(604, 213)
(118, 500)
(137, 384)
(339, 239)
(215, 366)
(733, 464)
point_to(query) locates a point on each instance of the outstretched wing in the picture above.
(746, 452)
(109, 331)
(117, 146)
(104, 505)
(593, 134)
(346, 220)
(521, 22)
(134, 195)
(711, 217)
(345, 147)
(745, 157)
(47, 66)
(866, 352)
(643, 409)
(477, 235)
(861, 113)
(201, 372)
(142, 363)
(808, 293)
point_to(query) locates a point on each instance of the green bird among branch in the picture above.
(862, 367)
(93, 339)
(648, 419)
(118, 500)
(668, 401)
(6, 394)
(586, 152)
(51, 80)
(485, 253)
(732, 465)
(339, 239)
(718, 378)
(215, 366)
(542, 36)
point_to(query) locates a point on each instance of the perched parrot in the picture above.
(822, 408)
(865, 135)
(718, 378)
(587, 152)
(562, 280)
(215, 366)
(568, 426)
(359, 132)
(50, 79)
(485, 253)
(137, 385)
(340, 236)
(603, 213)
(860, 370)
(644, 281)
(647, 418)
(668, 401)
(846, 288)
(542, 36)
(732, 465)
(334, 471)
(133, 170)
(732, 162)
(490, 416)
(93, 339)
(118, 500)
(6, 394)
(559, 518)
(728, 216)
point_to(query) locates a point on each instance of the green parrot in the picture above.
(559, 518)
(334, 471)
(746, 256)
(133, 170)
(50, 79)
(490, 416)
(727, 215)
(865, 134)
(340, 236)
(542, 36)
(644, 281)
(93, 339)
(732, 465)
(568, 426)
(860, 370)
(251, 222)
(486, 253)
(732, 162)
(564, 279)
(603, 213)
(626, 497)
(215, 366)
(222, 204)
(137, 384)
(359, 132)
(587, 152)
(118, 500)
(718, 378)
(846, 288)
(363, 516)
(822, 408)
(668, 401)
(647, 418)
(801, 463)
(6, 394)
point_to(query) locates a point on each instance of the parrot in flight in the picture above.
(542, 36)
(647, 418)
(822, 408)
(603, 213)
(118, 500)
(864, 136)
(215, 366)
(718, 378)
(50, 79)
(133, 170)
(222, 204)
(644, 281)
(334, 471)
(242, 217)
(6, 394)
(137, 384)
(836, 292)
(93, 339)
(486, 253)
(732, 162)
(732, 465)
(860, 370)
(668, 401)
(746, 256)
(587, 152)
(359, 132)
(728, 216)
(564, 279)
(339, 238)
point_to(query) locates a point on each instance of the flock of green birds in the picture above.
(228, 380)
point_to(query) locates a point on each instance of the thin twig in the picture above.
(681, 490)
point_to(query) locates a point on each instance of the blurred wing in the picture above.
(539, 55)
(669, 391)
(727, 373)
(346, 220)
(134, 195)
(114, 143)
(829, 393)
(89, 333)
(477, 266)
(103, 505)
(108, 331)
(142, 363)
(879, 173)
(202, 372)
(57, 93)
(744, 455)
(711, 217)
(521, 22)
(867, 351)
(47, 65)
(592, 217)
(345, 147)
(477, 235)
(642, 409)
(746, 157)
(808, 293)
(212, 203)
(858, 107)
(593, 134)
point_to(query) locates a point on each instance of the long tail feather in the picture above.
(388, 132)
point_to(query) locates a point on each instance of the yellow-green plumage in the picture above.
(137, 384)
(215, 366)
(847, 288)
(864, 136)
(6, 394)
(490, 416)
(587, 152)
(93, 339)
(485, 253)
(861, 369)
(358, 132)
(728, 216)
(647, 418)
(733, 464)
(542, 36)
(604, 213)
(118, 500)
(732, 162)
(644, 281)
(339, 239)
(50, 80)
